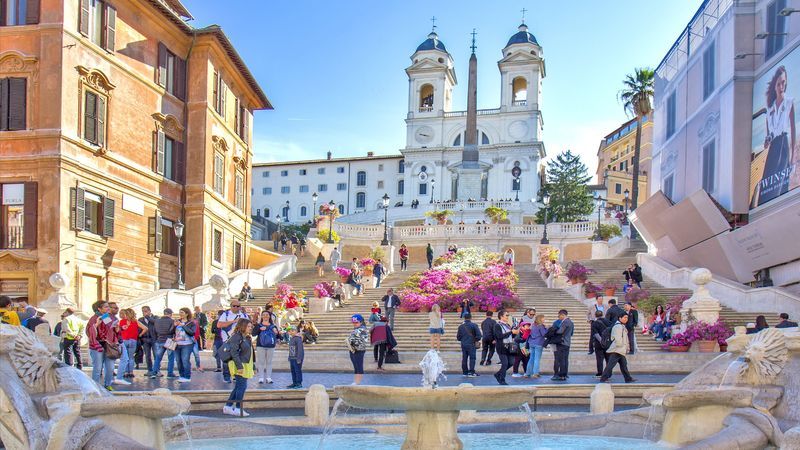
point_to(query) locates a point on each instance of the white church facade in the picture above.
(508, 139)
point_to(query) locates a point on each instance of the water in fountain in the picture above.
(185, 422)
(649, 432)
(735, 363)
(526, 409)
(330, 423)
(432, 369)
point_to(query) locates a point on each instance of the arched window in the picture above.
(519, 88)
(303, 211)
(285, 213)
(361, 200)
(266, 212)
(361, 178)
(482, 137)
(341, 209)
(401, 166)
(426, 98)
(457, 141)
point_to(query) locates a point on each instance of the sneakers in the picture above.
(229, 410)
(291, 386)
(241, 412)
(269, 380)
(632, 380)
(122, 382)
(153, 376)
(516, 375)
(110, 388)
(473, 375)
(171, 376)
(260, 381)
(218, 370)
(183, 380)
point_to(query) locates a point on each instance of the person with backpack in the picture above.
(487, 329)
(600, 337)
(592, 316)
(237, 354)
(357, 343)
(468, 335)
(617, 349)
(216, 332)
(268, 335)
(225, 324)
(535, 343)
(296, 355)
(163, 330)
(9, 315)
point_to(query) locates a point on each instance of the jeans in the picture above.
(357, 358)
(533, 362)
(160, 350)
(632, 340)
(264, 362)
(237, 394)
(101, 363)
(196, 353)
(275, 245)
(72, 347)
(148, 351)
(623, 367)
(381, 349)
(126, 360)
(468, 353)
(390, 315)
(403, 264)
(334, 264)
(378, 281)
(488, 350)
(359, 287)
(183, 353)
(297, 372)
(658, 330)
(430, 263)
(217, 345)
(505, 363)
(561, 365)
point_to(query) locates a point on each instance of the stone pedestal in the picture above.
(319, 305)
(58, 301)
(702, 305)
(470, 182)
(388, 260)
(317, 405)
(602, 399)
(432, 429)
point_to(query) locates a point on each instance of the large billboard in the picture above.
(775, 162)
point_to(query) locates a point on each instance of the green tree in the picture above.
(570, 200)
(636, 98)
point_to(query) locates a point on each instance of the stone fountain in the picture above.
(45, 404)
(432, 412)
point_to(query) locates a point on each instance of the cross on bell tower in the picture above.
(523, 14)
(433, 24)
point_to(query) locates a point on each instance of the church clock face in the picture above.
(424, 134)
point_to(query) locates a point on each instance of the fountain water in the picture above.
(330, 423)
(433, 368)
(526, 409)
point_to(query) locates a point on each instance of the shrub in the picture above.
(607, 231)
(636, 295)
(495, 213)
(576, 270)
(678, 340)
(343, 272)
(377, 253)
(648, 305)
(703, 331)
(322, 235)
(439, 215)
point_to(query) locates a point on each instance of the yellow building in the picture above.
(615, 163)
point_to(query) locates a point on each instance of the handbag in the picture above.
(111, 351)
(170, 344)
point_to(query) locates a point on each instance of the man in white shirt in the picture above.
(335, 258)
(227, 321)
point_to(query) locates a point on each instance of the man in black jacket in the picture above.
(503, 333)
(163, 329)
(598, 326)
(202, 322)
(785, 322)
(487, 328)
(468, 335)
(633, 321)
(614, 311)
(146, 340)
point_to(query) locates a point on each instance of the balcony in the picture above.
(519, 103)
(425, 108)
(13, 238)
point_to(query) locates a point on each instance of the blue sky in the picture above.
(334, 70)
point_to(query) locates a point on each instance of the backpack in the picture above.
(224, 352)
(605, 338)
(266, 338)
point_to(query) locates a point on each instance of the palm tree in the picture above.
(636, 99)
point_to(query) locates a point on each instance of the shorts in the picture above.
(320, 264)
(436, 330)
(357, 358)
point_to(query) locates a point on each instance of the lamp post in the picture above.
(433, 186)
(286, 211)
(516, 172)
(385, 199)
(331, 209)
(546, 201)
(314, 198)
(599, 201)
(178, 228)
(627, 193)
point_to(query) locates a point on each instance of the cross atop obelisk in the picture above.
(523, 14)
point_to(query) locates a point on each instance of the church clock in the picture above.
(424, 134)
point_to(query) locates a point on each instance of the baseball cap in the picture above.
(357, 318)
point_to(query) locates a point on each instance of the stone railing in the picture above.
(362, 231)
(554, 230)
(480, 112)
(474, 205)
(730, 293)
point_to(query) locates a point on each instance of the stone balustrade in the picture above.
(405, 233)
(475, 205)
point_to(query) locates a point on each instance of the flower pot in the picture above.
(591, 295)
(573, 280)
(723, 348)
(679, 348)
(367, 271)
(610, 292)
(344, 279)
(706, 346)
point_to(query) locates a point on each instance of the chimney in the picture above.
(370, 154)
(329, 156)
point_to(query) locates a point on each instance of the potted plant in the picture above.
(344, 273)
(723, 345)
(367, 264)
(678, 343)
(610, 287)
(495, 214)
(590, 290)
(707, 335)
(323, 235)
(577, 272)
(607, 231)
(636, 294)
(440, 216)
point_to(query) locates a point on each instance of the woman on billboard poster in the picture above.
(779, 141)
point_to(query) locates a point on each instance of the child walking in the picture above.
(296, 354)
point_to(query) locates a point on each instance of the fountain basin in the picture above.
(432, 414)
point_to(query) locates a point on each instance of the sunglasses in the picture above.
(235, 306)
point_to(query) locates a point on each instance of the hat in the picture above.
(41, 311)
(357, 318)
(291, 328)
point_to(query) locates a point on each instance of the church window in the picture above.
(361, 178)
(441, 60)
(401, 187)
(423, 189)
(361, 200)
(303, 211)
(457, 141)
(266, 213)
(380, 184)
(341, 209)
(426, 98)
(520, 91)
(484, 139)
(401, 166)
(423, 169)
(515, 184)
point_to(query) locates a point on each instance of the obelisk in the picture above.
(470, 173)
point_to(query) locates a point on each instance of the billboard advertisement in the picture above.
(775, 159)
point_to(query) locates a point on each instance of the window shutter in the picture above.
(89, 120)
(16, 103)
(78, 206)
(83, 23)
(3, 102)
(159, 151)
(180, 162)
(237, 116)
(3, 7)
(161, 75)
(30, 215)
(154, 233)
(180, 78)
(215, 91)
(109, 40)
(223, 93)
(101, 121)
(108, 217)
(245, 125)
(32, 13)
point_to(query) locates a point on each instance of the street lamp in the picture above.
(314, 198)
(599, 201)
(331, 209)
(546, 201)
(627, 193)
(515, 172)
(178, 228)
(385, 199)
(286, 212)
(433, 186)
